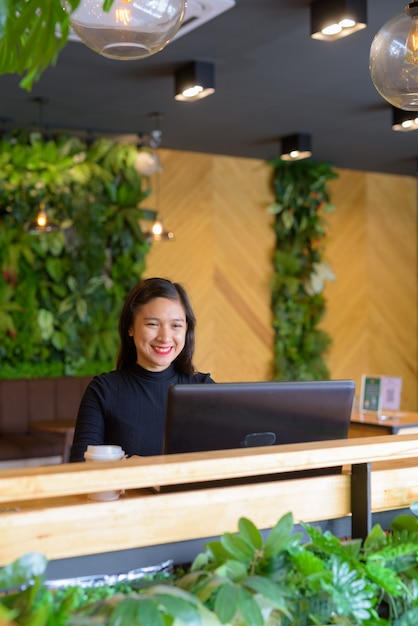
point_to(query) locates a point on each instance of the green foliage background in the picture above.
(61, 292)
(298, 304)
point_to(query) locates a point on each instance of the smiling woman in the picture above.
(126, 407)
(159, 333)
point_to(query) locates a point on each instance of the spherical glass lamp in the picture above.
(132, 29)
(394, 59)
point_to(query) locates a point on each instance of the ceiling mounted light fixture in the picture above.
(405, 121)
(194, 81)
(129, 30)
(394, 59)
(334, 19)
(296, 147)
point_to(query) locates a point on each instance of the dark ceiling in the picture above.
(272, 80)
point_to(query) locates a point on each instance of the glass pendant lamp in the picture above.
(41, 223)
(394, 59)
(132, 29)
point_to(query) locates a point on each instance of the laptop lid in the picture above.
(221, 416)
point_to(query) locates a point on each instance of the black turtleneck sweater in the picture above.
(127, 408)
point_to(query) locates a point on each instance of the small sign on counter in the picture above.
(380, 393)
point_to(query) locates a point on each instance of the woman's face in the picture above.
(159, 333)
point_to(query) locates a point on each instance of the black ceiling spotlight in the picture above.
(194, 81)
(333, 19)
(296, 147)
(404, 120)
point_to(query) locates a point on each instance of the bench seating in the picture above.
(24, 401)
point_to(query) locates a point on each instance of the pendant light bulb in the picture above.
(41, 219)
(157, 227)
(123, 14)
(41, 223)
(129, 30)
(411, 55)
(394, 59)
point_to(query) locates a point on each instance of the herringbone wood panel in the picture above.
(217, 208)
(372, 306)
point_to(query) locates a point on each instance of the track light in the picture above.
(334, 19)
(194, 81)
(404, 120)
(296, 147)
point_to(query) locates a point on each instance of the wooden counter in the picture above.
(369, 424)
(46, 508)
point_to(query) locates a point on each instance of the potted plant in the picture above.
(285, 579)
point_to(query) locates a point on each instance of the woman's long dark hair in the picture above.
(140, 295)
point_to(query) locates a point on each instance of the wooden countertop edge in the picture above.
(78, 478)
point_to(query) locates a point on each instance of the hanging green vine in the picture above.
(61, 292)
(298, 304)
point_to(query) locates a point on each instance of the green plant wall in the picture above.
(299, 268)
(61, 292)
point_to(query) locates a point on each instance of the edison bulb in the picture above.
(157, 227)
(411, 55)
(394, 59)
(41, 219)
(132, 29)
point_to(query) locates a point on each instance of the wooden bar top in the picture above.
(46, 509)
(135, 473)
(370, 423)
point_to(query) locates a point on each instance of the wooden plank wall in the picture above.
(216, 207)
(372, 305)
(222, 253)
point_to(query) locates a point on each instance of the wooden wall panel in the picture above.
(372, 306)
(392, 261)
(347, 296)
(185, 205)
(217, 208)
(242, 270)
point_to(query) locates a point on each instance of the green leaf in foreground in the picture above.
(226, 603)
(23, 570)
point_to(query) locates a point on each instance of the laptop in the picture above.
(224, 416)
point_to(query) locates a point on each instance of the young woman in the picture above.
(126, 407)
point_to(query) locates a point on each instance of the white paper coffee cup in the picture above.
(104, 453)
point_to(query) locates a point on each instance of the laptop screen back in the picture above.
(238, 415)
